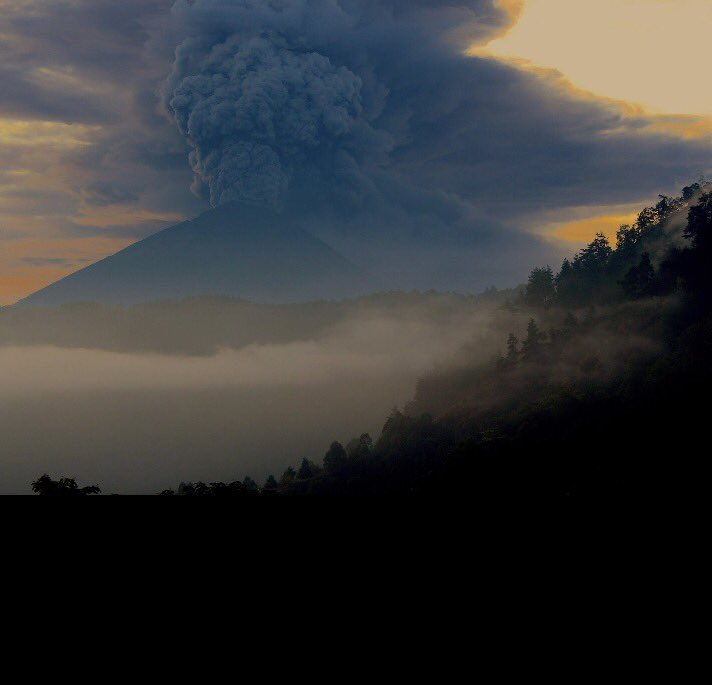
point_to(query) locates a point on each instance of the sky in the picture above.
(538, 122)
(641, 51)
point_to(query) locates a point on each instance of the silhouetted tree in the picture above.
(512, 349)
(64, 487)
(699, 224)
(638, 282)
(288, 476)
(648, 218)
(305, 470)
(531, 346)
(586, 278)
(200, 489)
(336, 458)
(234, 489)
(594, 257)
(566, 287)
(626, 239)
(360, 447)
(250, 484)
(667, 206)
(270, 483)
(540, 290)
(688, 192)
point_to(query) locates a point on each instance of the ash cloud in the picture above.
(367, 119)
(257, 112)
(438, 150)
(320, 107)
(274, 96)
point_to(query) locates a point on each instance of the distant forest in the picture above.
(600, 397)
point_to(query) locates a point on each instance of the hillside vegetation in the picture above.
(601, 396)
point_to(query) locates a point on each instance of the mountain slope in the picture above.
(233, 250)
(604, 400)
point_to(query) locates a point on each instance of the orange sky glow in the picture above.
(645, 53)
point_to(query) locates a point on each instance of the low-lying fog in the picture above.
(143, 422)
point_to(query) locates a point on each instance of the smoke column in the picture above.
(278, 94)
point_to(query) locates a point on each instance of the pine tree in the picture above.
(594, 257)
(626, 239)
(305, 470)
(336, 458)
(288, 476)
(565, 282)
(531, 347)
(512, 349)
(638, 281)
(646, 274)
(699, 223)
(540, 289)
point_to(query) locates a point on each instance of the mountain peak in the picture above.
(238, 250)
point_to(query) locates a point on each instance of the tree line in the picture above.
(601, 273)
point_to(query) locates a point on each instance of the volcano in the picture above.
(233, 250)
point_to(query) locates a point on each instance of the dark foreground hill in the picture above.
(234, 250)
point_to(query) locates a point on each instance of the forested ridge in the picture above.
(600, 396)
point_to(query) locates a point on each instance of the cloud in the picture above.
(132, 231)
(91, 36)
(295, 96)
(52, 261)
(365, 118)
(29, 202)
(67, 61)
(258, 112)
(102, 194)
(369, 120)
(275, 95)
(24, 98)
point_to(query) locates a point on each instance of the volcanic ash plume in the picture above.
(257, 110)
(272, 93)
